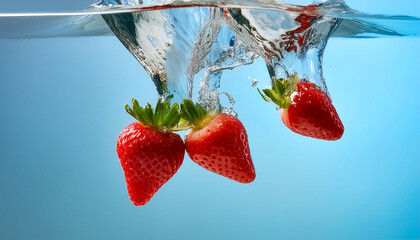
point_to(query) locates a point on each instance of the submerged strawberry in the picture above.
(305, 108)
(218, 142)
(150, 154)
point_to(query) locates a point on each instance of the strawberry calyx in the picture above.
(162, 118)
(197, 115)
(281, 91)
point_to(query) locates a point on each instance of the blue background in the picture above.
(61, 110)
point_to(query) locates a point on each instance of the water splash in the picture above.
(175, 40)
(173, 45)
(88, 22)
(165, 42)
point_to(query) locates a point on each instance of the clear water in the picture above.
(61, 111)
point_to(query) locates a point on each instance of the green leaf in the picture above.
(130, 111)
(276, 98)
(279, 88)
(138, 111)
(270, 93)
(160, 112)
(191, 112)
(201, 111)
(173, 117)
(267, 99)
(149, 115)
(291, 83)
(163, 116)
(184, 112)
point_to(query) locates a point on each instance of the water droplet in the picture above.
(254, 82)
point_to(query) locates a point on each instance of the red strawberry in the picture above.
(218, 142)
(306, 109)
(150, 155)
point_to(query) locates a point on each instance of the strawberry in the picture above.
(305, 108)
(218, 142)
(150, 154)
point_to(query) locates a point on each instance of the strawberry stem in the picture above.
(196, 115)
(163, 117)
(280, 91)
